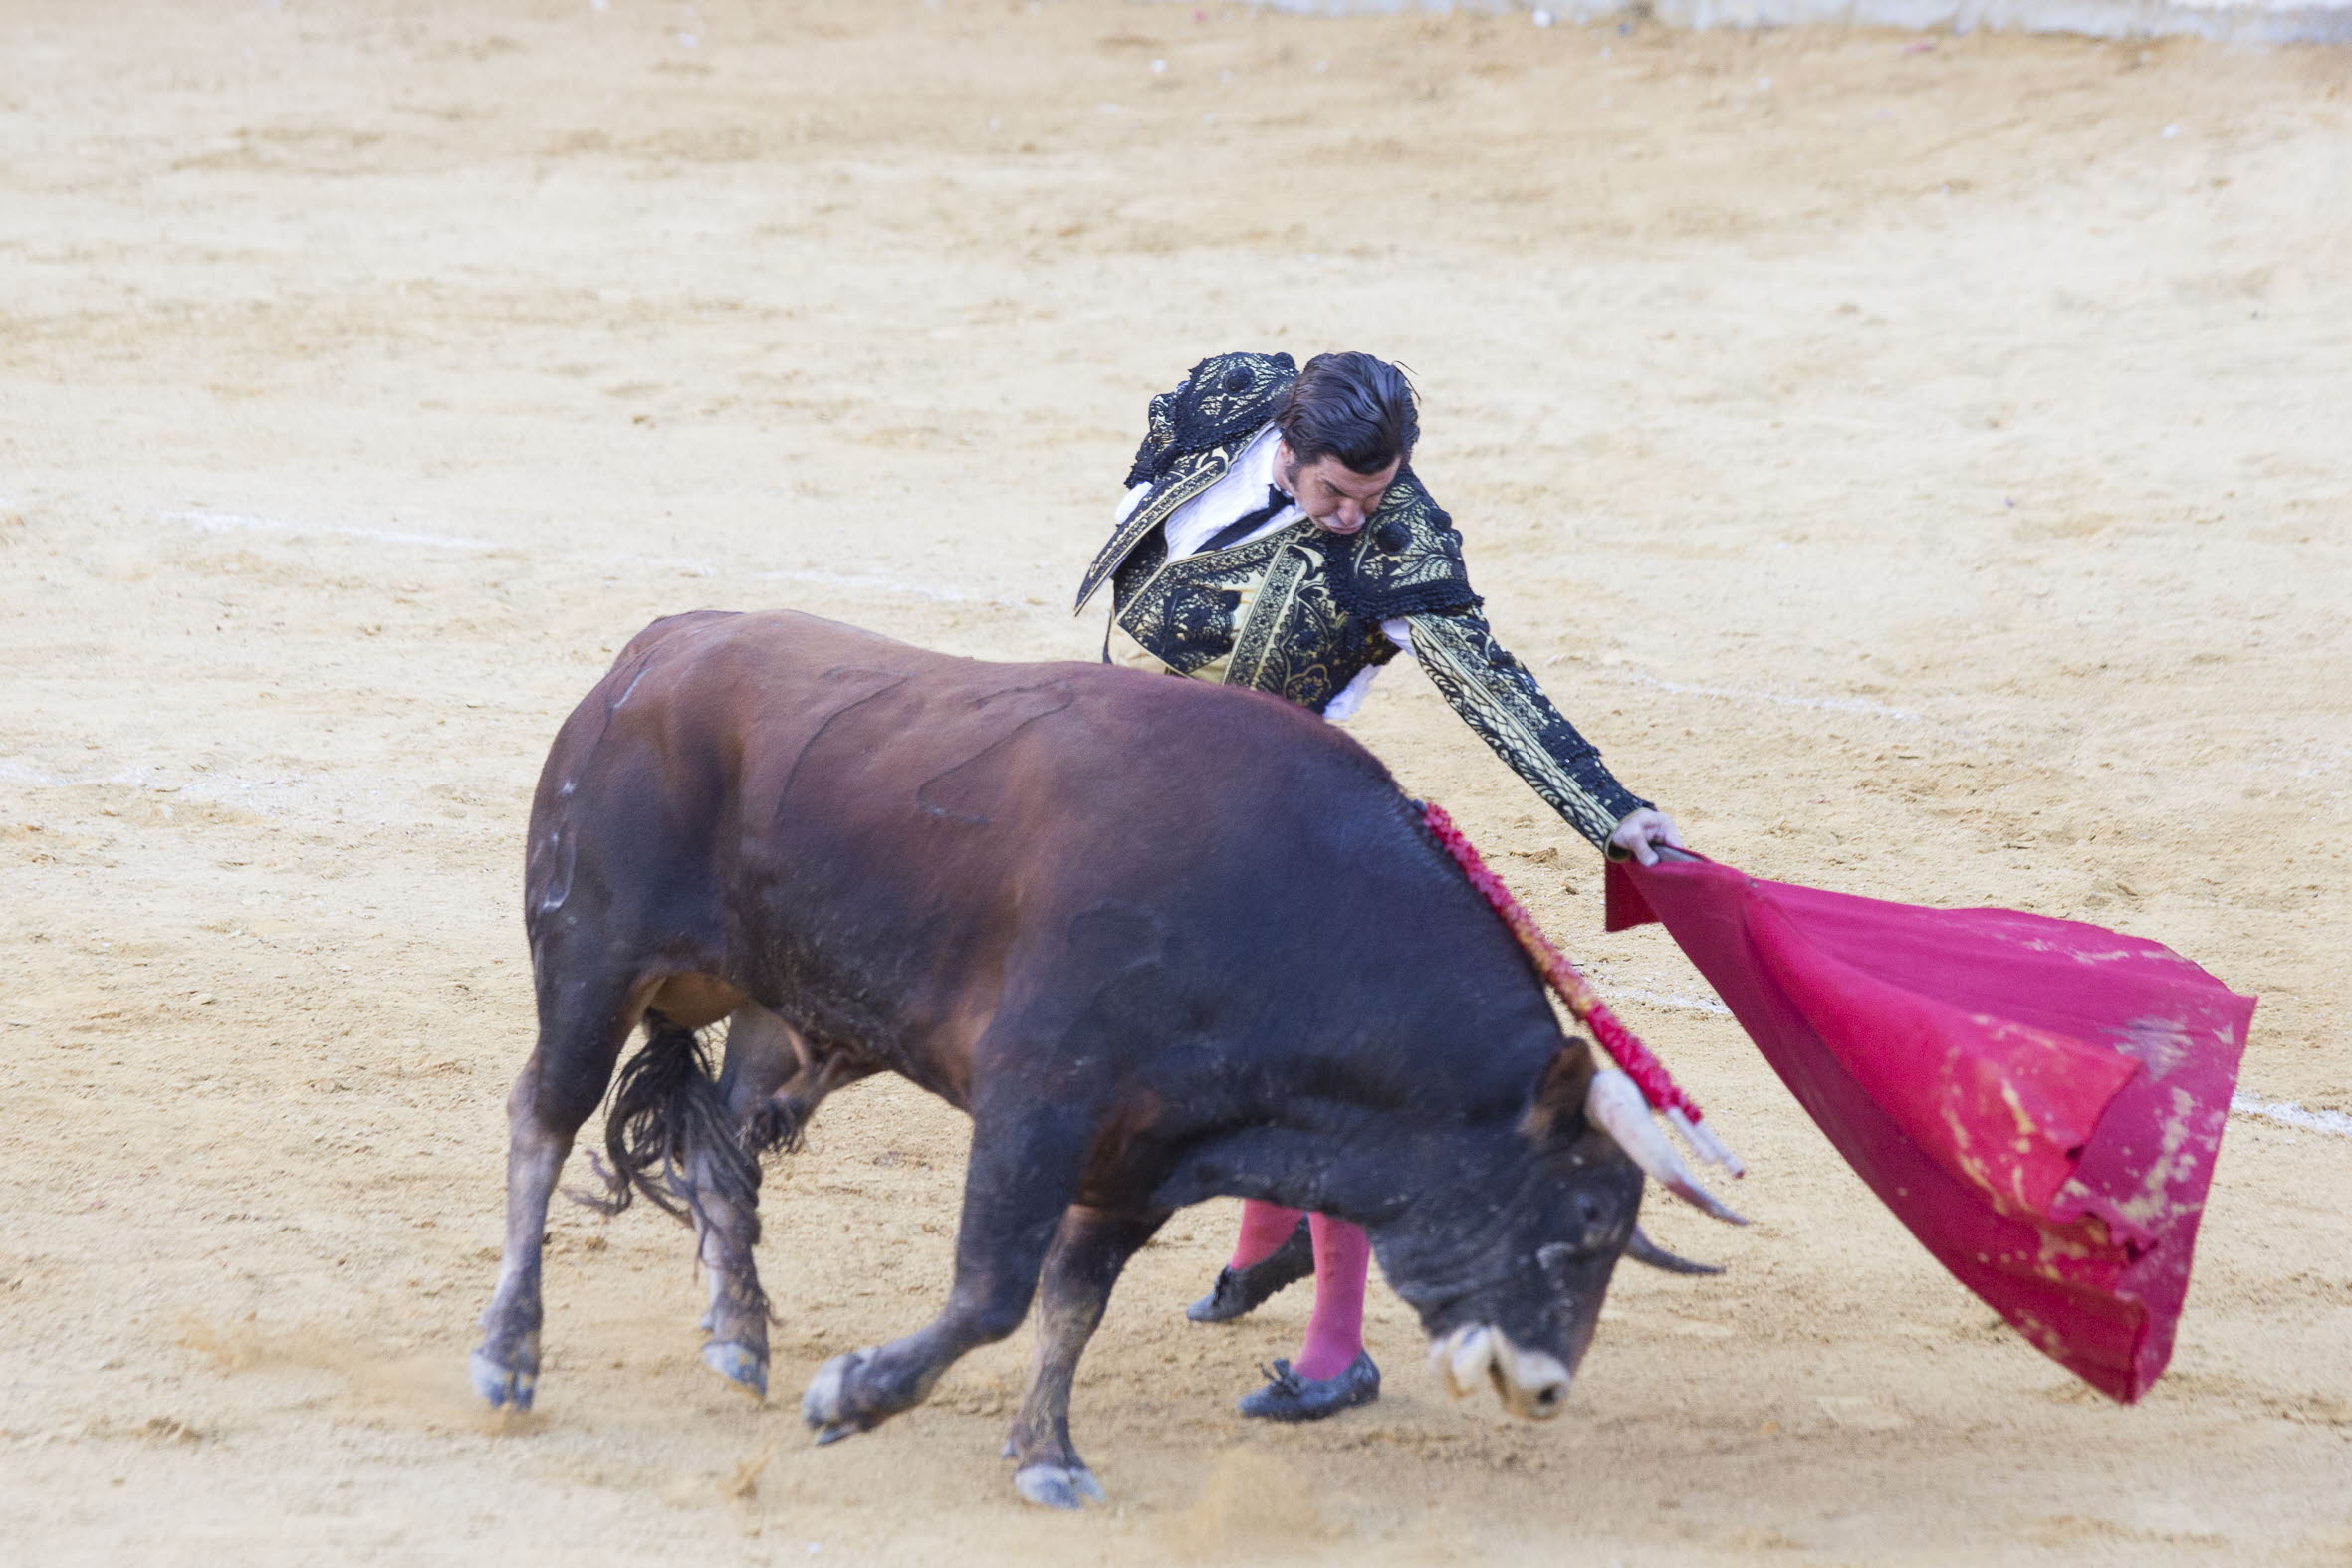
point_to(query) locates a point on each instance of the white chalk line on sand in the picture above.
(2291, 1114)
(223, 522)
(1723, 694)
(1670, 999)
(14, 771)
(228, 792)
(261, 796)
(2243, 1103)
(830, 579)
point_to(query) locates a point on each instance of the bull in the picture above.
(1160, 940)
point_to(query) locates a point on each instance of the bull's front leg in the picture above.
(1022, 1176)
(1090, 1251)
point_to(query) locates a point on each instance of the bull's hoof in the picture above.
(824, 1406)
(738, 1363)
(1068, 1488)
(501, 1384)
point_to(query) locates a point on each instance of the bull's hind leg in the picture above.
(1089, 1250)
(721, 1190)
(581, 1026)
(1021, 1174)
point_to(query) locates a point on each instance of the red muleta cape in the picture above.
(2040, 1101)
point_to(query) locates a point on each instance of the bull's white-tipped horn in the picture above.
(1464, 1358)
(1703, 1143)
(1616, 1107)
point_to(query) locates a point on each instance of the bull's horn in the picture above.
(1616, 1107)
(1644, 1250)
(1464, 1358)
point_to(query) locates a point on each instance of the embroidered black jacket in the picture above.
(1297, 613)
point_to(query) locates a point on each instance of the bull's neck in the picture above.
(1357, 1163)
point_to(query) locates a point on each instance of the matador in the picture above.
(1275, 536)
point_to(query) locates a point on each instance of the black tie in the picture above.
(1240, 528)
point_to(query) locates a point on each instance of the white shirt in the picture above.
(1242, 489)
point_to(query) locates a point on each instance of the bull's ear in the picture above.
(1556, 1108)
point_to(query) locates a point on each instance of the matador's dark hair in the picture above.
(1351, 406)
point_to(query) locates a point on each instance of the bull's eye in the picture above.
(1596, 1216)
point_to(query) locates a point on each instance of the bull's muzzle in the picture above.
(1528, 1382)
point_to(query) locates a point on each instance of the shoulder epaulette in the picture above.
(1408, 559)
(1223, 398)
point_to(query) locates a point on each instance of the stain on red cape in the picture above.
(2040, 1101)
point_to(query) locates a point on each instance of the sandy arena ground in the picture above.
(1921, 464)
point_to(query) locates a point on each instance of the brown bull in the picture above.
(1162, 940)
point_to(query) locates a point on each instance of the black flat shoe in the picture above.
(1289, 1397)
(1240, 1292)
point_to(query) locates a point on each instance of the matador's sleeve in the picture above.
(1410, 565)
(1496, 695)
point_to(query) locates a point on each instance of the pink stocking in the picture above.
(1335, 1333)
(1265, 1227)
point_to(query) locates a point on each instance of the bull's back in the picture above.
(907, 838)
(811, 716)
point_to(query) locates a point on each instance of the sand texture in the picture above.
(1923, 465)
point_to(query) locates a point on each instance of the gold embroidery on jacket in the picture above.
(1121, 649)
(1458, 653)
(1186, 612)
(1301, 642)
(1152, 511)
(1257, 628)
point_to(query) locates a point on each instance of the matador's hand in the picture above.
(1641, 831)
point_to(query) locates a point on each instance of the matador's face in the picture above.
(1335, 496)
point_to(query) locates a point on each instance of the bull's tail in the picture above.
(670, 1135)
